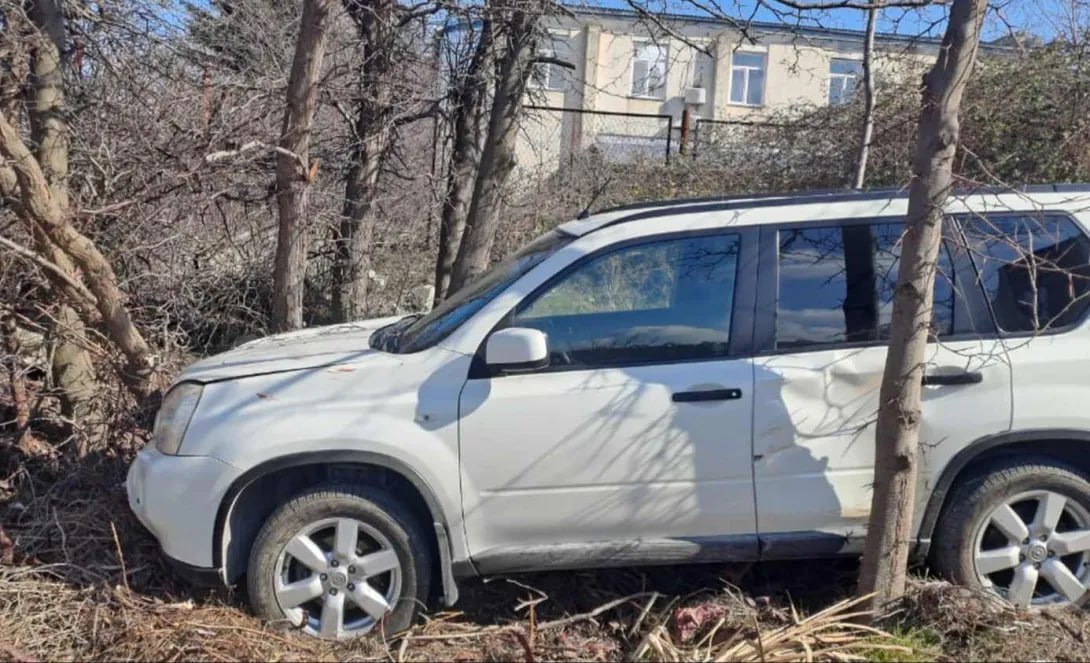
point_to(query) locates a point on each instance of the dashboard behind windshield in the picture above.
(429, 329)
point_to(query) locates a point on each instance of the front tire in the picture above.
(337, 561)
(1019, 528)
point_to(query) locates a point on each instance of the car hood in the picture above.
(309, 348)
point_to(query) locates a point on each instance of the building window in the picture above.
(747, 79)
(649, 69)
(843, 76)
(550, 75)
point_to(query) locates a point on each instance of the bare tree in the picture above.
(379, 23)
(869, 98)
(34, 183)
(469, 93)
(885, 557)
(293, 169)
(516, 50)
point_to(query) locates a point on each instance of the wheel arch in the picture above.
(257, 492)
(1066, 445)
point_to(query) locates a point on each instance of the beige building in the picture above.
(622, 64)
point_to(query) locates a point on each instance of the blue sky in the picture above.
(1045, 18)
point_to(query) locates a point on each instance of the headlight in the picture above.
(174, 415)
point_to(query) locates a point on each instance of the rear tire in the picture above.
(1019, 528)
(339, 560)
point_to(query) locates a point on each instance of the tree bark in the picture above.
(293, 173)
(465, 156)
(869, 99)
(885, 557)
(72, 369)
(378, 29)
(518, 38)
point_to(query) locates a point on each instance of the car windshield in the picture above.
(428, 330)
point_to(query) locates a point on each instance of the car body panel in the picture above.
(814, 430)
(597, 455)
(308, 348)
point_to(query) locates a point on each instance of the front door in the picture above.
(823, 323)
(634, 443)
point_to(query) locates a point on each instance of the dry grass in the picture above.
(83, 581)
(832, 634)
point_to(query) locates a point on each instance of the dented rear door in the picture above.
(825, 294)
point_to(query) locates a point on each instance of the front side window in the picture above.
(747, 79)
(843, 76)
(836, 285)
(666, 300)
(1035, 269)
(649, 69)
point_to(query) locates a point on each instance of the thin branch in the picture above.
(251, 146)
(27, 254)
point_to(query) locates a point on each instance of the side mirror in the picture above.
(517, 348)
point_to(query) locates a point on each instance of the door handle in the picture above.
(944, 379)
(707, 395)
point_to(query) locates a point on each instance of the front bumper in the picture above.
(178, 498)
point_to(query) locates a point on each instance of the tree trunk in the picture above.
(515, 62)
(376, 20)
(869, 100)
(293, 172)
(885, 557)
(465, 156)
(73, 371)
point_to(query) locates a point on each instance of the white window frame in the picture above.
(664, 55)
(551, 70)
(748, 70)
(854, 78)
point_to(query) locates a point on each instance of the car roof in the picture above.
(984, 198)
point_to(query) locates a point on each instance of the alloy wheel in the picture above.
(337, 578)
(1034, 549)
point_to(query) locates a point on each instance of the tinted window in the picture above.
(657, 301)
(1034, 270)
(836, 285)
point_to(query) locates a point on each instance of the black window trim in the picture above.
(998, 332)
(768, 281)
(739, 345)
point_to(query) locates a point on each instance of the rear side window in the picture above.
(667, 300)
(836, 285)
(1035, 269)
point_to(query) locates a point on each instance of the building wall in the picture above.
(797, 68)
(797, 72)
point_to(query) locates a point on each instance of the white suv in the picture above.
(681, 382)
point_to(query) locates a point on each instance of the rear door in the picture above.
(1034, 267)
(822, 326)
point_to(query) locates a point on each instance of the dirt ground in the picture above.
(81, 579)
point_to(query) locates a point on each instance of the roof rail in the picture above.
(741, 196)
(720, 203)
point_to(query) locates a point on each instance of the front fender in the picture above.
(397, 413)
